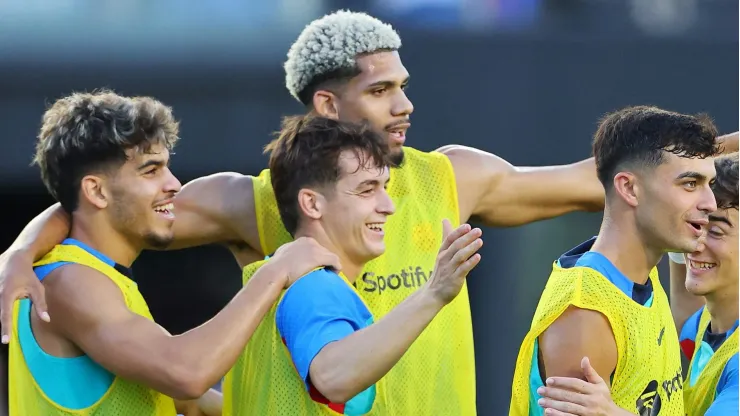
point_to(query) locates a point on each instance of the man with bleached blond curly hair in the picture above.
(347, 66)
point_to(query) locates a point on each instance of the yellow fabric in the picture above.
(123, 397)
(698, 398)
(436, 376)
(647, 344)
(264, 381)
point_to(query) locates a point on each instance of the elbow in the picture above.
(186, 383)
(333, 386)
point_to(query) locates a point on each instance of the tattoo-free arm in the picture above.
(492, 190)
(185, 366)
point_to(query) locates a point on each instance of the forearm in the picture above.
(683, 303)
(208, 351)
(347, 367)
(729, 143)
(40, 235)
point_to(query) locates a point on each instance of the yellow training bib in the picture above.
(436, 376)
(647, 378)
(123, 397)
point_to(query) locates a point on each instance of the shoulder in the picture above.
(319, 282)
(690, 328)
(465, 158)
(730, 377)
(577, 333)
(77, 294)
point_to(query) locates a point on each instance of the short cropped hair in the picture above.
(725, 186)
(327, 48)
(637, 138)
(306, 154)
(91, 132)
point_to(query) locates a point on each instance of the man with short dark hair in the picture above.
(105, 158)
(330, 181)
(604, 299)
(709, 337)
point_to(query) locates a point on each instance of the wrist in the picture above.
(431, 299)
(274, 272)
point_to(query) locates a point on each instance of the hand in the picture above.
(18, 281)
(301, 256)
(565, 396)
(457, 257)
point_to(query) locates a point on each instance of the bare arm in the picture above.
(184, 366)
(218, 208)
(344, 368)
(578, 333)
(492, 190)
(729, 142)
(683, 303)
(209, 404)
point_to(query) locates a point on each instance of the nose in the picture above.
(386, 205)
(707, 203)
(402, 105)
(171, 184)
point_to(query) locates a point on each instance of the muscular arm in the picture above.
(213, 209)
(492, 190)
(344, 368)
(729, 142)
(578, 333)
(184, 366)
(683, 303)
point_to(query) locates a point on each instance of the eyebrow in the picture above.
(372, 182)
(692, 175)
(387, 84)
(719, 218)
(150, 163)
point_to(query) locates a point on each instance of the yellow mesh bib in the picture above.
(698, 398)
(123, 397)
(264, 381)
(436, 376)
(647, 378)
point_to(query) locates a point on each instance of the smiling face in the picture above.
(354, 211)
(377, 95)
(715, 266)
(140, 194)
(674, 200)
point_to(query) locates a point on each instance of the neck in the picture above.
(622, 245)
(723, 308)
(351, 269)
(97, 233)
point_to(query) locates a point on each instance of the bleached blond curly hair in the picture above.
(331, 44)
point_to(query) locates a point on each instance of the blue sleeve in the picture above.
(317, 309)
(691, 326)
(726, 400)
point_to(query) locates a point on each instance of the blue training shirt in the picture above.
(318, 309)
(727, 398)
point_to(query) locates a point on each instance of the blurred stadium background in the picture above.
(524, 79)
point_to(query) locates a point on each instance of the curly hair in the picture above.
(88, 132)
(638, 137)
(725, 186)
(327, 48)
(306, 154)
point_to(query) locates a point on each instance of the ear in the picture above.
(93, 190)
(625, 185)
(326, 104)
(311, 203)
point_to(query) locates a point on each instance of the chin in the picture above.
(159, 240)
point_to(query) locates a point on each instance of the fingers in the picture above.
(453, 236)
(562, 395)
(591, 374)
(467, 251)
(37, 294)
(469, 265)
(6, 315)
(556, 407)
(462, 242)
(568, 383)
(446, 228)
(553, 412)
(332, 260)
